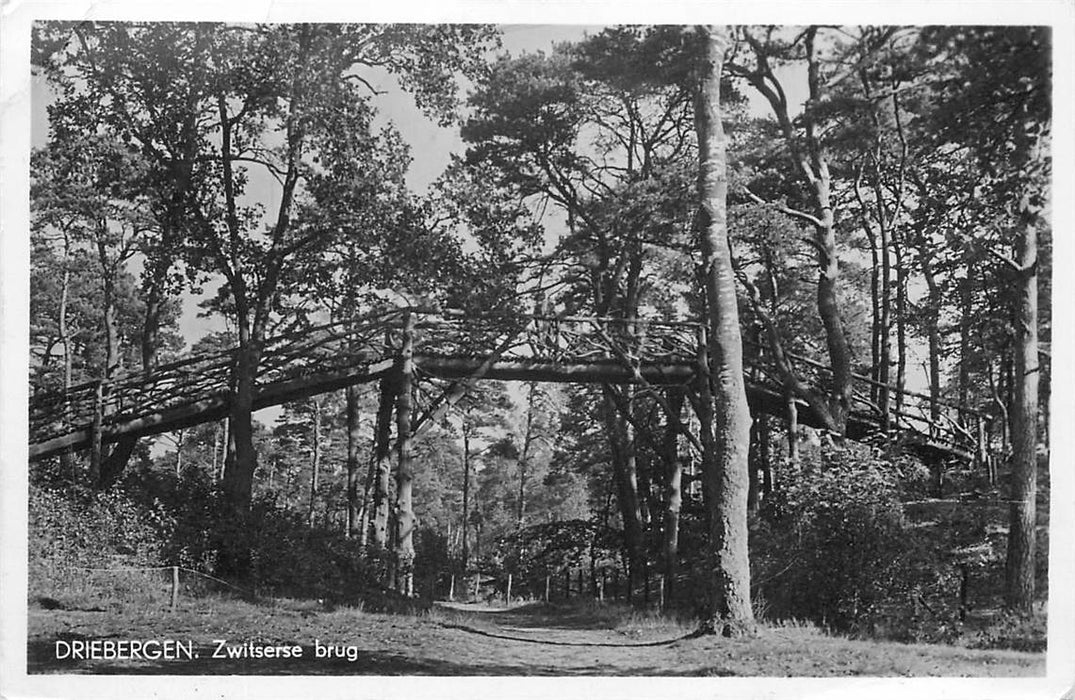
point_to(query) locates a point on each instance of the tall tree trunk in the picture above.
(405, 469)
(884, 368)
(966, 335)
(725, 475)
(901, 325)
(382, 464)
(793, 430)
(765, 455)
(66, 459)
(934, 302)
(105, 466)
(875, 313)
(466, 492)
(180, 436)
(524, 458)
(355, 506)
(239, 470)
(754, 470)
(624, 466)
(315, 461)
(227, 450)
(113, 466)
(809, 157)
(1022, 537)
(673, 489)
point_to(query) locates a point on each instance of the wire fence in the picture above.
(174, 574)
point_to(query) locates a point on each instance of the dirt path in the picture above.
(474, 640)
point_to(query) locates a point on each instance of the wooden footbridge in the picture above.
(453, 346)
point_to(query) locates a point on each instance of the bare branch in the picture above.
(794, 213)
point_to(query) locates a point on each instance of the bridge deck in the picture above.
(331, 357)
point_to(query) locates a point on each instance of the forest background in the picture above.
(290, 435)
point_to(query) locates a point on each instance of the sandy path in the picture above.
(482, 640)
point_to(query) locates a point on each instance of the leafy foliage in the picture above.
(834, 546)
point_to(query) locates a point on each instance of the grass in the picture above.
(582, 638)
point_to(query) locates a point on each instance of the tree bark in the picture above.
(901, 325)
(754, 469)
(966, 335)
(1022, 537)
(315, 461)
(811, 161)
(64, 337)
(466, 492)
(934, 302)
(885, 341)
(765, 456)
(239, 470)
(381, 458)
(355, 505)
(725, 475)
(524, 458)
(624, 466)
(674, 491)
(405, 520)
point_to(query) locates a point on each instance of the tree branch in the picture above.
(794, 213)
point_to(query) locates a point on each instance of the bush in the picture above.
(154, 520)
(90, 549)
(833, 547)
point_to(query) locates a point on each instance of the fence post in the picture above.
(546, 588)
(451, 589)
(660, 591)
(507, 596)
(175, 587)
(567, 584)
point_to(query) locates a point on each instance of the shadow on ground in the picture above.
(537, 616)
(41, 659)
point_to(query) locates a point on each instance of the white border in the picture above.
(15, 21)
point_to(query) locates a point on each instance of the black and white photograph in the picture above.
(705, 352)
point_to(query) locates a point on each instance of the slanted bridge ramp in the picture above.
(455, 346)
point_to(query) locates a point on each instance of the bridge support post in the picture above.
(404, 559)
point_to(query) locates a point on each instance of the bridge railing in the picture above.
(344, 345)
(557, 339)
(912, 412)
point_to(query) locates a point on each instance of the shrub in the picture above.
(88, 549)
(833, 547)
